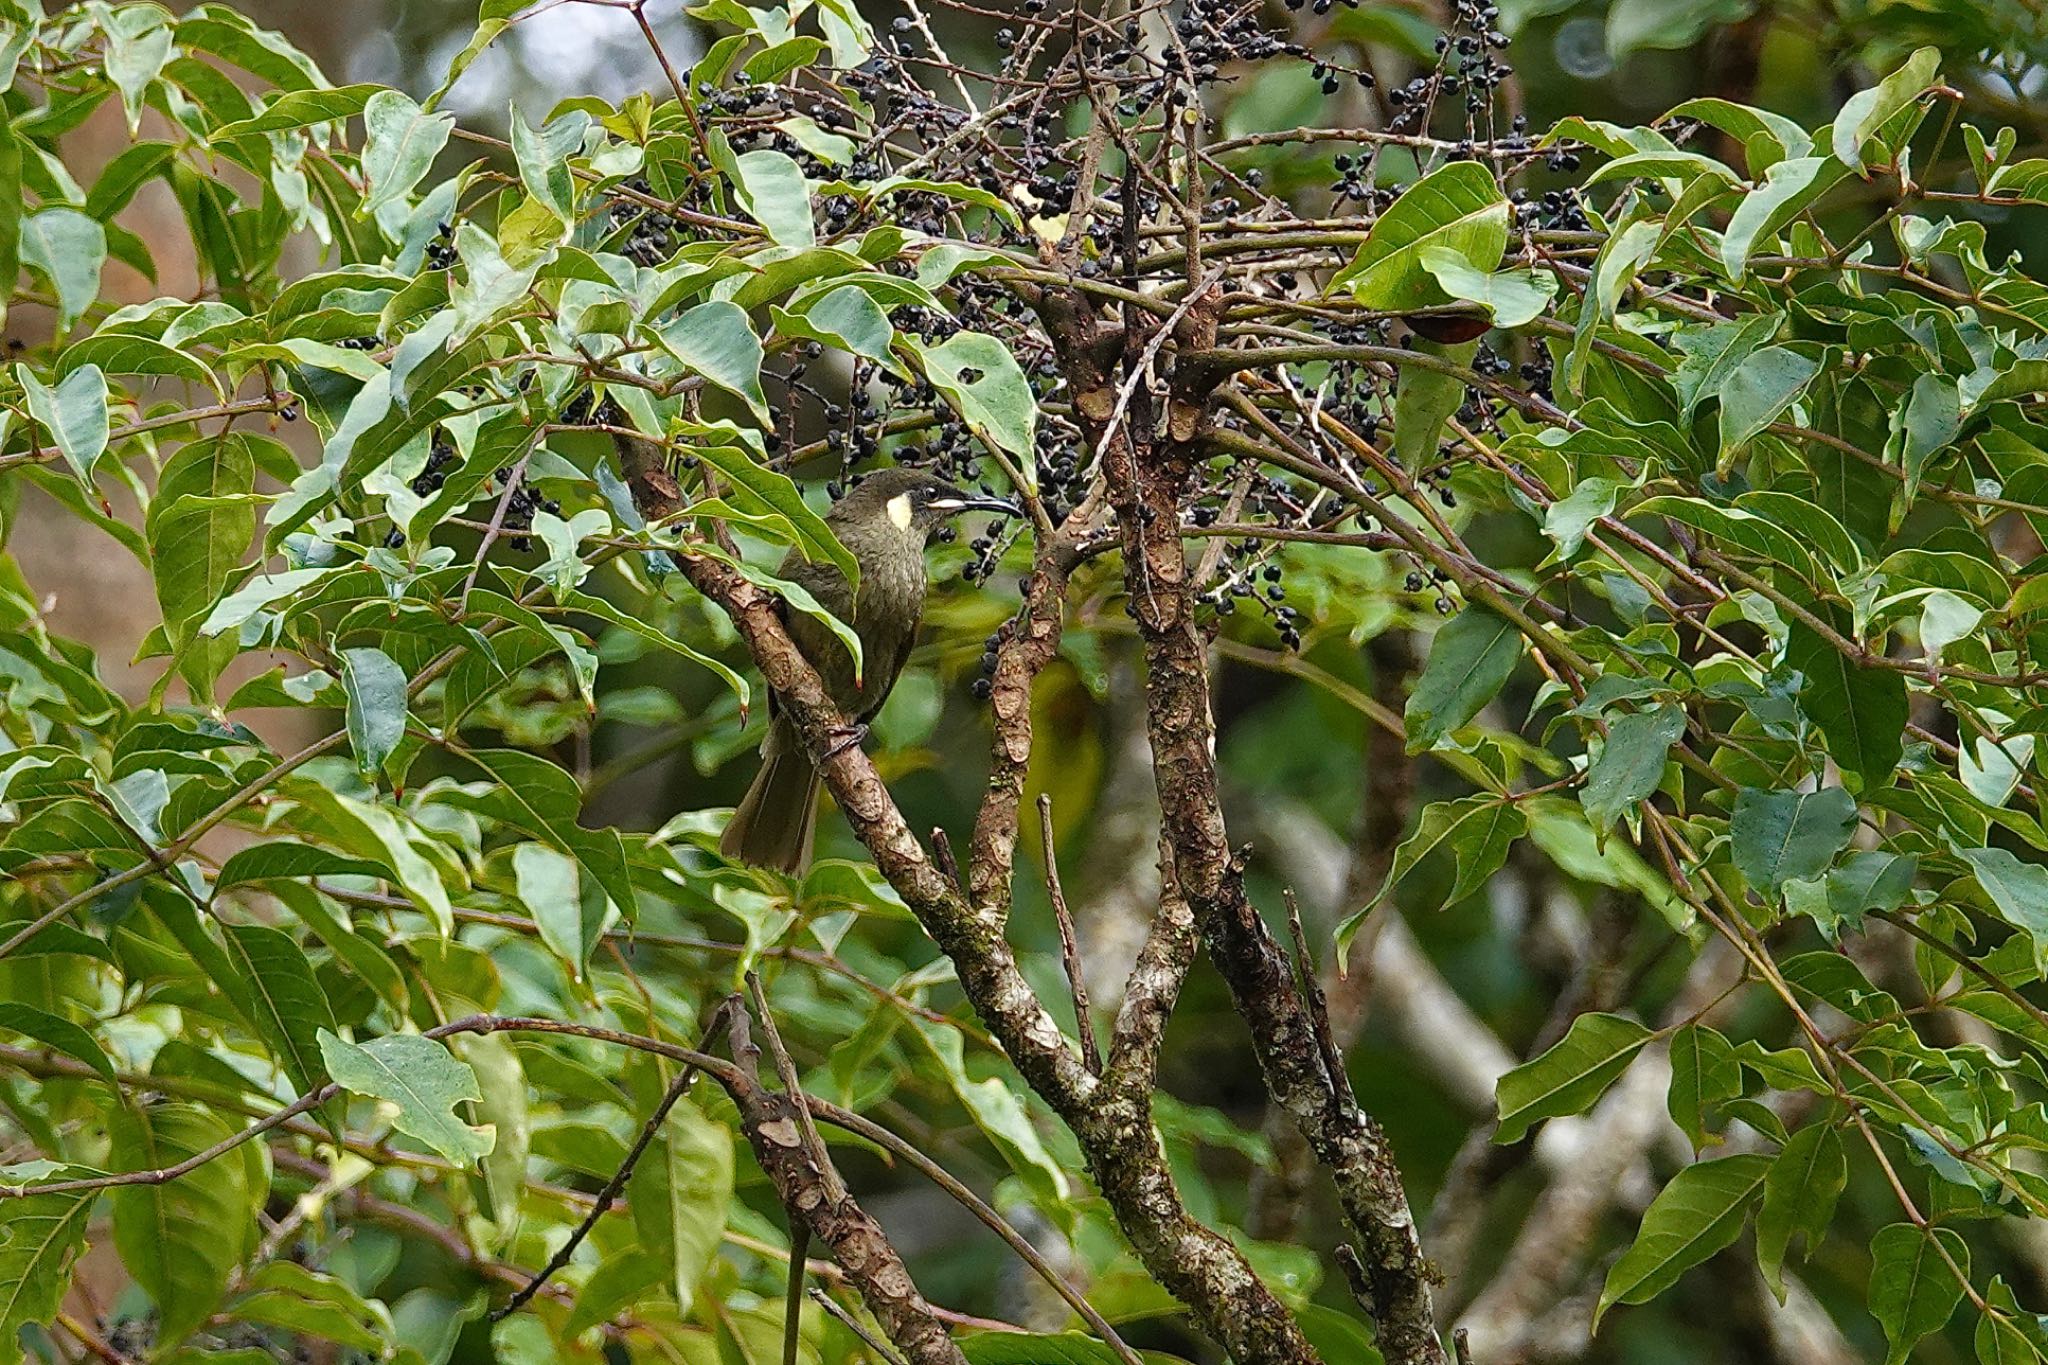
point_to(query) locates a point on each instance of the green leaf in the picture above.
(1790, 187)
(278, 859)
(1424, 399)
(545, 801)
(41, 1235)
(2018, 890)
(1476, 831)
(423, 1079)
(1866, 111)
(1913, 1289)
(182, 1239)
(757, 488)
(847, 317)
(570, 923)
(1058, 1348)
(504, 1110)
(1693, 1217)
(773, 192)
(1703, 1071)
(715, 340)
(619, 1281)
(400, 143)
(55, 1032)
(69, 248)
(1469, 662)
(603, 610)
(543, 157)
(983, 382)
(1758, 392)
(679, 1194)
(1781, 836)
(1576, 1070)
(1458, 208)
(1861, 712)
(1512, 298)
(1631, 764)
(307, 1303)
(376, 691)
(377, 832)
(299, 109)
(74, 413)
(284, 1001)
(138, 43)
(1799, 1199)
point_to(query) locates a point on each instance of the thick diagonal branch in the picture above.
(1198, 1266)
(1147, 474)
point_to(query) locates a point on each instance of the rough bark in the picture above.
(1197, 1265)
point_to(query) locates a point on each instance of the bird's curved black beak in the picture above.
(952, 504)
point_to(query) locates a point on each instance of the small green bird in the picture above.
(885, 523)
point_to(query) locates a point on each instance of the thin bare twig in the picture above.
(1070, 946)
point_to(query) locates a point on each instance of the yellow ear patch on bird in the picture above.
(899, 511)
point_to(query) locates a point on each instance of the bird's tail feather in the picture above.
(777, 818)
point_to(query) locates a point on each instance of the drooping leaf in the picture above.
(1475, 832)
(283, 999)
(1631, 763)
(1861, 710)
(1469, 661)
(1799, 1198)
(376, 691)
(1694, 1216)
(181, 1239)
(41, 1236)
(1868, 110)
(773, 191)
(400, 144)
(72, 414)
(679, 1193)
(1914, 1287)
(1576, 1070)
(2018, 891)
(1703, 1071)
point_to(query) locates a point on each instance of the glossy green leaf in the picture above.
(1631, 763)
(1698, 1213)
(72, 415)
(1799, 1199)
(1861, 711)
(183, 1238)
(376, 691)
(1470, 660)
(1458, 208)
(1914, 1287)
(679, 1193)
(1569, 1077)
(1780, 836)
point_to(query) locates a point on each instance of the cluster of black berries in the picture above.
(1355, 180)
(651, 236)
(984, 682)
(441, 253)
(363, 343)
(1556, 211)
(441, 455)
(1328, 74)
(519, 510)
